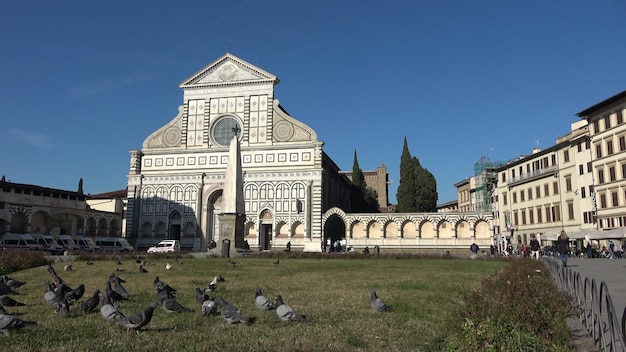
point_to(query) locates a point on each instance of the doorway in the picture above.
(266, 237)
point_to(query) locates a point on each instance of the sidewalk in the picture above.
(610, 271)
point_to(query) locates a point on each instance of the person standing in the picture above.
(562, 247)
(535, 247)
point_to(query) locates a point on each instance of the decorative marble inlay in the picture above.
(282, 157)
(293, 157)
(247, 159)
(228, 72)
(191, 160)
(169, 162)
(306, 156)
(213, 160)
(158, 162)
(171, 137)
(148, 162)
(269, 158)
(283, 131)
(202, 160)
(180, 161)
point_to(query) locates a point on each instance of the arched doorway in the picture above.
(175, 226)
(265, 230)
(334, 230)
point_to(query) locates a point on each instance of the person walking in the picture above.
(535, 247)
(562, 247)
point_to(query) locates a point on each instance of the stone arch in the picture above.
(146, 230)
(114, 227)
(357, 229)
(391, 229)
(90, 227)
(19, 222)
(282, 229)
(332, 212)
(39, 221)
(374, 230)
(297, 230)
(408, 229)
(427, 229)
(481, 229)
(250, 230)
(102, 227)
(463, 229)
(160, 230)
(445, 229)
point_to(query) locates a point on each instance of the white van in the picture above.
(165, 246)
(114, 244)
(86, 244)
(67, 242)
(19, 241)
(49, 244)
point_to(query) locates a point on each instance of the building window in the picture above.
(553, 159)
(609, 147)
(539, 215)
(521, 196)
(622, 143)
(512, 173)
(589, 167)
(614, 200)
(568, 184)
(596, 126)
(600, 176)
(548, 217)
(598, 151)
(612, 173)
(619, 117)
(515, 222)
(538, 191)
(504, 177)
(581, 169)
(624, 170)
(580, 147)
(570, 211)
(555, 187)
(607, 122)
(582, 192)
(603, 201)
(546, 190)
(566, 155)
(523, 217)
(531, 216)
(504, 198)
(514, 197)
(530, 194)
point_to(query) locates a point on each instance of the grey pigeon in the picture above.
(109, 311)
(201, 296)
(159, 285)
(7, 301)
(138, 320)
(171, 305)
(209, 307)
(117, 287)
(114, 295)
(142, 269)
(55, 298)
(230, 313)
(286, 313)
(75, 294)
(91, 303)
(114, 278)
(13, 283)
(262, 302)
(2, 310)
(377, 303)
(5, 289)
(9, 322)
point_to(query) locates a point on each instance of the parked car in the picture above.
(114, 244)
(165, 246)
(19, 241)
(49, 244)
(86, 244)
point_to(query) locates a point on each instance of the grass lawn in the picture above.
(332, 293)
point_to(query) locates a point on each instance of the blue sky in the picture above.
(85, 82)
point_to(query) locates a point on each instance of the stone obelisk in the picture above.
(232, 218)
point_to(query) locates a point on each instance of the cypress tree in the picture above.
(406, 189)
(362, 198)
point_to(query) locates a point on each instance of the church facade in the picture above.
(176, 180)
(293, 192)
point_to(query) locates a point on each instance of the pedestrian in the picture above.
(562, 247)
(474, 248)
(535, 247)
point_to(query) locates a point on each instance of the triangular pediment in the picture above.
(228, 70)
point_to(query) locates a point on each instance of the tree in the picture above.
(362, 198)
(80, 186)
(417, 191)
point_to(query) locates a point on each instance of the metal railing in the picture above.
(598, 314)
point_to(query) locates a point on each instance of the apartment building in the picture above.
(607, 133)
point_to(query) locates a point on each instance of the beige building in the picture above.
(378, 180)
(607, 132)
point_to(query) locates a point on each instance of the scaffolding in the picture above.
(485, 177)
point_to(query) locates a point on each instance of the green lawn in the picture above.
(332, 293)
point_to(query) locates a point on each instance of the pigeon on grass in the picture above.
(286, 313)
(211, 286)
(209, 307)
(10, 322)
(201, 296)
(55, 298)
(262, 302)
(114, 295)
(7, 301)
(91, 303)
(377, 303)
(109, 311)
(75, 294)
(13, 283)
(138, 320)
(231, 314)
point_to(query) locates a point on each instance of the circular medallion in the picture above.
(171, 137)
(222, 131)
(283, 131)
(228, 72)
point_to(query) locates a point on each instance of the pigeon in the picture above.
(286, 313)
(231, 314)
(171, 305)
(68, 267)
(138, 320)
(75, 294)
(212, 286)
(178, 261)
(262, 302)
(7, 301)
(117, 287)
(209, 307)
(201, 296)
(276, 262)
(142, 269)
(109, 311)
(55, 298)
(114, 295)
(377, 303)
(2, 310)
(114, 278)
(5, 289)
(9, 322)
(168, 266)
(118, 260)
(158, 285)
(90, 304)
(13, 283)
